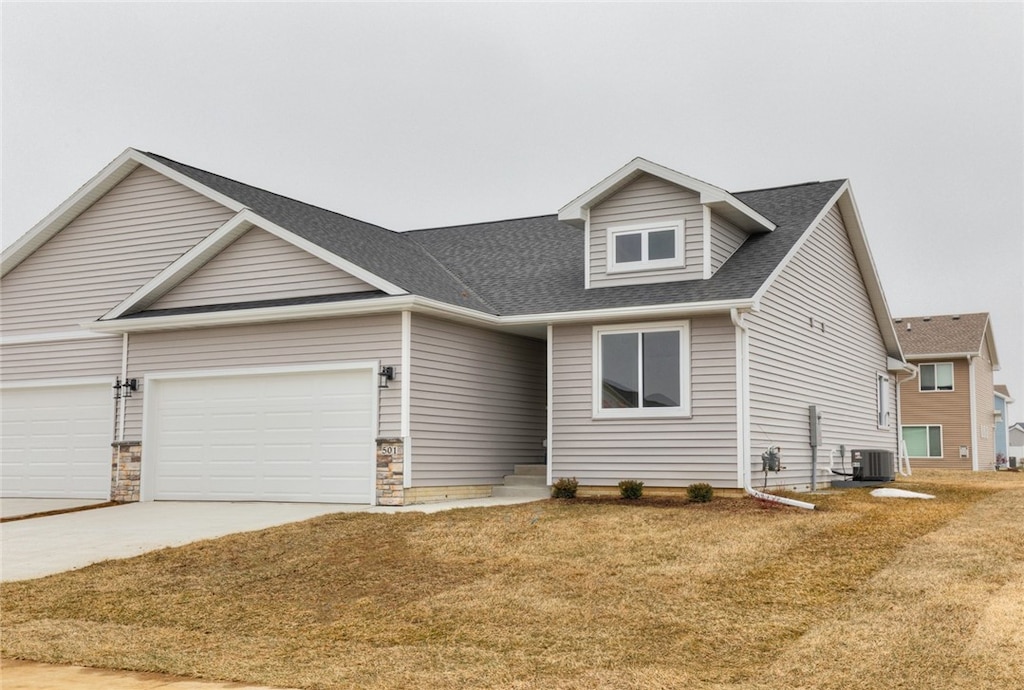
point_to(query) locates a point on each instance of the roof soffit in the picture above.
(576, 211)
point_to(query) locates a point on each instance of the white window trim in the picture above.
(952, 377)
(685, 365)
(942, 440)
(678, 261)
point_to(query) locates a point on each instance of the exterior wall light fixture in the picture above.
(385, 374)
(124, 389)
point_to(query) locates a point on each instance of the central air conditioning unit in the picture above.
(873, 465)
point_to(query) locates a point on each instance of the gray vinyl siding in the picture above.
(647, 200)
(326, 341)
(66, 359)
(726, 238)
(794, 365)
(477, 403)
(257, 266)
(112, 248)
(659, 452)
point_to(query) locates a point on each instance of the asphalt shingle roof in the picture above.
(527, 265)
(939, 335)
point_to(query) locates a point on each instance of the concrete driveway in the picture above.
(50, 544)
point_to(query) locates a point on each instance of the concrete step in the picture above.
(532, 470)
(525, 491)
(525, 480)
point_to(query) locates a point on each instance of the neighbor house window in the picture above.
(645, 247)
(936, 377)
(882, 391)
(923, 441)
(642, 370)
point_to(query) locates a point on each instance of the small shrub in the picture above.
(565, 488)
(631, 488)
(700, 493)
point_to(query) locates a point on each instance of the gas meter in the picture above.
(770, 460)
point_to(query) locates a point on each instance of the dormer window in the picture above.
(645, 247)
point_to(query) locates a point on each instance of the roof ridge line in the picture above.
(485, 222)
(790, 186)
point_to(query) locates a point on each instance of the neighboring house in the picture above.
(947, 409)
(1016, 441)
(657, 328)
(1002, 415)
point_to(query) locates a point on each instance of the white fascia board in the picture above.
(731, 207)
(398, 303)
(990, 341)
(58, 219)
(843, 197)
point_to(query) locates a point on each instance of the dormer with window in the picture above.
(647, 224)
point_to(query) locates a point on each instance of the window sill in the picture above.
(617, 269)
(603, 415)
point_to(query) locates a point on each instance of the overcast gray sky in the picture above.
(414, 116)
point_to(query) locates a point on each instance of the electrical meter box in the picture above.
(814, 417)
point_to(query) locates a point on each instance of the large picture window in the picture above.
(936, 377)
(923, 441)
(641, 371)
(645, 247)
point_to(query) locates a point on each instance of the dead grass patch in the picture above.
(570, 594)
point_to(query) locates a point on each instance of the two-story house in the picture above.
(168, 333)
(947, 410)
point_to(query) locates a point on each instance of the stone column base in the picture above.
(390, 472)
(126, 471)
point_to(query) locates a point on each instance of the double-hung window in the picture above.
(936, 377)
(923, 441)
(645, 247)
(642, 370)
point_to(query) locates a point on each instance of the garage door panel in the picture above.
(56, 441)
(275, 437)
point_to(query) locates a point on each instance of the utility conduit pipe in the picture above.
(743, 403)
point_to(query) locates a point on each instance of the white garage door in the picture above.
(296, 436)
(56, 441)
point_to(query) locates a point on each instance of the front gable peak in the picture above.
(715, 198)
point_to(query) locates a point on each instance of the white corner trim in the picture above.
(974, 413)
(549, 445)
(706, 234)
(586, 249)
(405, 380)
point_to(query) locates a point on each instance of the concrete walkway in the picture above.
(41, 546)
(28, 675)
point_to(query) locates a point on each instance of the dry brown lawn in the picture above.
(734, 594)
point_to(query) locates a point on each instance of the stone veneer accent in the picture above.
(125, 471)
(390, 472)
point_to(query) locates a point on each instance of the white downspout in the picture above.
(743, 414)
(901, 448)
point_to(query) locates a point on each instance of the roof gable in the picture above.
(727, 205)
(948, 335)
(259, 266)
